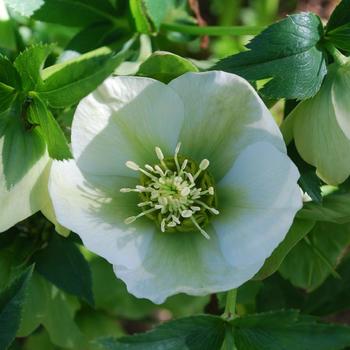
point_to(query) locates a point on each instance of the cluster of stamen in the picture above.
(173, 196)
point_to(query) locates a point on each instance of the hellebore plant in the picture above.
(184, 187)
(321, 125)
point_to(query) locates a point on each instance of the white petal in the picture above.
(223, 114)
(24, 198)
(341, 98)
(258, 199)
(95, 209)
(184, 263)
(319, 138)
(124, 119)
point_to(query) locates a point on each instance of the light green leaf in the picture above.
(140, 18)
(62, 264)
(51, 132)
(165, 66)
(11, 305)
(287, 52)
(67, 83)
(312, 260)
(288, 330)
(7, 35)
(298, 231)
(192, 333)
(29, 64)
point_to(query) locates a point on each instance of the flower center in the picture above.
(176, 193)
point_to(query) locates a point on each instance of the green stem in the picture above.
(336, 54)
(212, 30)
(230, 308)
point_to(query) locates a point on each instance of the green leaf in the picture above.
(340, 16)
(8, 73)
(165, 66)
(287, 52)
(95, 324)
(23, 145)
(59, 322)
(308, 181)
(11, 305)
(7, 96)
(35, 306)
(139, 15)
(334, 208)
(29, 64)
(192, 333)
(41, 117)
(112, 296)
(340, 37)
(298, 231)
(334, 294)
(66, 12)
(312, 260)
(62, 264)
(157, 10)
(7, 35)
(67, 83)
(288, 330)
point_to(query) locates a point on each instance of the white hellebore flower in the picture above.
(183, 187)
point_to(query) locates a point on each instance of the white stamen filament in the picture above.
(174, 194)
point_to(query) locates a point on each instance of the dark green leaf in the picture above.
(11, 304)
(23, 145)
(313, 259)
(42, 118)
(67, 83)
(308, 181)
(286, 52)
(90, 38)
(298, 231)
(192, 333)
(340, 16)
(340, 36)
(62, 263)
(287, 330)
(7, 95)
(334, 294)
(29, 64)
(76, 13)
(165, 66)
